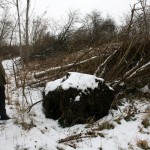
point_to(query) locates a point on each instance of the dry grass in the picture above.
(146, 123)
(143, 144)
(68, 58)
(105, 126)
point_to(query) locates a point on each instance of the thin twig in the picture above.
(34, 105)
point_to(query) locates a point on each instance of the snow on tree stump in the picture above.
(76, 98)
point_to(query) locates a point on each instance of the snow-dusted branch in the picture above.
(105, 62)
(43, 73)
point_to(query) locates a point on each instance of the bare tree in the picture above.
(39, 28)
(27, 29)
(65, 31)
(12, 32)
(129, 64)
(3, 3)
(16, 3)
(5, 26)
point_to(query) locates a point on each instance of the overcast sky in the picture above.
(59, 8)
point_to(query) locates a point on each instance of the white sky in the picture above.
(59, 8)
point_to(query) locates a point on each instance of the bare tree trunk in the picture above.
(12, 33)
(20, 39)
(5, 26)
(27, 29)
(143, 7)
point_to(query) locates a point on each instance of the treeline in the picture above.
(93, 30)
(49, 38)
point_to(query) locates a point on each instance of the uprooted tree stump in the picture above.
(77, 98)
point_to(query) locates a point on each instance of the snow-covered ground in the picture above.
(120, 130)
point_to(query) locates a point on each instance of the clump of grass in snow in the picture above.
(143, 144)
(146, 123)
(106, 125)
(118, 120)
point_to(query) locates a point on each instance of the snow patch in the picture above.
(77, 98)
(75, 80)
(145, 89)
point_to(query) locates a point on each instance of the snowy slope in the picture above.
(32, 131)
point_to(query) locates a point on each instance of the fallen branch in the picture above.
(33, 105)
(105, 62)
(68, 66)
(70, 138)
(89, 134)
